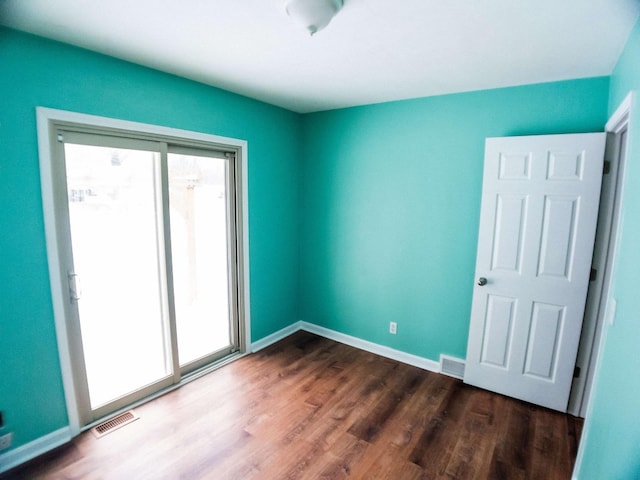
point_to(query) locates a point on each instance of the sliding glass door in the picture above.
(152, 277)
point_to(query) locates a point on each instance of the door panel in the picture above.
(558, 227)
(542, 349)
(538, 217)
(507, 248)
(497, 331)
(119, 289)
(198, 193)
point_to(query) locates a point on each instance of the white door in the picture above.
(537, 226)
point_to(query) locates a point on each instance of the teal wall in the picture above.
(358, 217)
(37, 72)
(611, 446)
(391, 202)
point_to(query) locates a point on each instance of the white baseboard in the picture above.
(275, 337)
(371, 347)
(355, 342)
(31, 450)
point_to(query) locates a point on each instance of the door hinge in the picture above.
(576, 372)
(593, 274)
(606, 167)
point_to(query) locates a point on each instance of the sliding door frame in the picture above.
(49, 121)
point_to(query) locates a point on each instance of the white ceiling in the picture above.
(373, 51)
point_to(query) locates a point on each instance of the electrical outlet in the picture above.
(393, 328)
(6, 440)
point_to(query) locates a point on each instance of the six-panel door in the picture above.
(537, 227)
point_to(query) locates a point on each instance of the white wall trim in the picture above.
(245, 282)
(275, 337)
(31, 450)
(355, 342)
(371, 347)
(127, 125)
(44, 118)
(621, 115)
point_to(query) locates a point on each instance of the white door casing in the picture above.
(537, 226)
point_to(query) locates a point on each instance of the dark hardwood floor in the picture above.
(311, 408)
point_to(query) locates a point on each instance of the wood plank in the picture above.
(398, 389)
(309, 408)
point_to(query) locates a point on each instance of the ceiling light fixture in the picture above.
(313, 15)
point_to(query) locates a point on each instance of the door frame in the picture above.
(604, 258)
(47, 121)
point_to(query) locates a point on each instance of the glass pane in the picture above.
(198, 212)
(115, 231)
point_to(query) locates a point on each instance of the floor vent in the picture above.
(454, 367)
(114, 423)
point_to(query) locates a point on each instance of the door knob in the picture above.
(482, 281)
